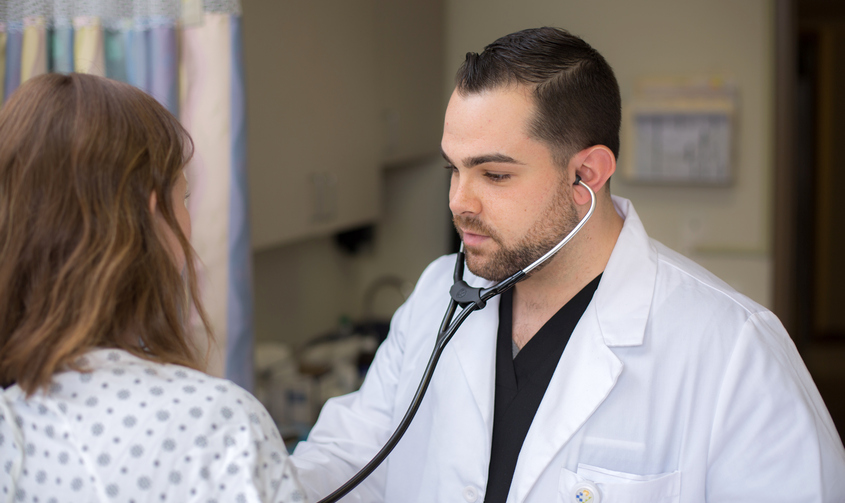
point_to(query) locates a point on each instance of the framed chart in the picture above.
(681, 135)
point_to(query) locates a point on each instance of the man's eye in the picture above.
(450, 168)
(497, 177)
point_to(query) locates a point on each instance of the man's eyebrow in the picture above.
(470, 162)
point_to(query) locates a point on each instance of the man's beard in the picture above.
(557, 220)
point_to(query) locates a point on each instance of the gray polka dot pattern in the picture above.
(128, 430)
(175, 477)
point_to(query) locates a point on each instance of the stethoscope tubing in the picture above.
(416, 401)
(571, 233)
(448, 328)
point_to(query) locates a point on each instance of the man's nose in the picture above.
(463, 199)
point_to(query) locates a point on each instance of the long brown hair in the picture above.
(83, 264)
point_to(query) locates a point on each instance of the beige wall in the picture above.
(728, 230)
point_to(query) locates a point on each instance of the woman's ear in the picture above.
(594, 165)
(153, 203)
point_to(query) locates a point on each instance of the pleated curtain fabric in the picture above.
(187, 54)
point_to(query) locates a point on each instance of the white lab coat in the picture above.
(673, 388)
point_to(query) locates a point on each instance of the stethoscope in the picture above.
(470, 299)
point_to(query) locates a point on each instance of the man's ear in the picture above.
(595, 165)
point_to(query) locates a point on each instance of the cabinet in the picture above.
(336, 90)
(315, 137)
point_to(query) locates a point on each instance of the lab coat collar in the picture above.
(475, 345)
(587, 372)
(623, 298)
(588, 369)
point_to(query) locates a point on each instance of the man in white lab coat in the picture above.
(618, 372)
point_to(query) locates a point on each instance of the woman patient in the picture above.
(103, 396)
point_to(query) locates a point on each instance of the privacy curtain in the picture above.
(187, 54)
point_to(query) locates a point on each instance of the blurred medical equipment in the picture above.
(293, 384)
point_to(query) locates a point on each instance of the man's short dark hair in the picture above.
(576, 93)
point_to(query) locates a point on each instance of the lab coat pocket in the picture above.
(592, 484)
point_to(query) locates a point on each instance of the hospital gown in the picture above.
(135, 431)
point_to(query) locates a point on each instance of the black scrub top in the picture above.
(521, 382)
